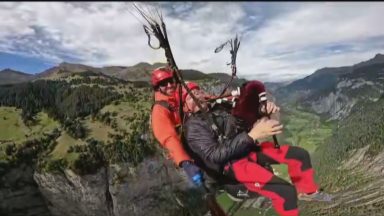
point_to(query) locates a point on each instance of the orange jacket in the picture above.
(164, 124)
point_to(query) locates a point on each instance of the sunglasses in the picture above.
(165, 82)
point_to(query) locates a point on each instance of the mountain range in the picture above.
(332, 92)
(329, 91)
(9, 76)
(139, 72)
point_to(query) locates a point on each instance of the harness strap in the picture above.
(215, 126)
(171, 109)
(164, 104)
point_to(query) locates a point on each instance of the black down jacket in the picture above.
(213, 149)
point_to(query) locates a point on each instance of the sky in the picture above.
(280, 41)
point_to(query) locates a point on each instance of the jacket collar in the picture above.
(162, 97)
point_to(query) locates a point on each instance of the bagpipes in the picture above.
(249, 109)
(245, 106)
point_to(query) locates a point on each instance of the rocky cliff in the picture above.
(154, 187)
(338, 103)
(332, 92)
(114, 191)
(19, 194)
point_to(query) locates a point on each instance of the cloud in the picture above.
(279, 41)
(323, 23)
(303, 40)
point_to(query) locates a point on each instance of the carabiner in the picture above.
(149, 38)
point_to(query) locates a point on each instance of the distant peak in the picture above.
(9, 70)
(378, 59)
(379, 56)
(160, 63)
(141, 64)
(63, 64)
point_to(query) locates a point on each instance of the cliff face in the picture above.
(336, 105)
(333, 92)
(154, 187)
(114, 191)
(19, 194)
(145, 190)
(70, 194)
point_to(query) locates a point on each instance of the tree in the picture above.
(10, 149)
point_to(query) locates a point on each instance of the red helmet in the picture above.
(191, 86)
(248, 104)
(160, 74)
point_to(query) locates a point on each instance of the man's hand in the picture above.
(193, 172)
(271, 108)
(264, 128)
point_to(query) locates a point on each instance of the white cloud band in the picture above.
(287, 45)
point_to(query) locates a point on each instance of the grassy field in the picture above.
(98, 130)
(124, 110)
(305, 129)
(11, 126)
(44, 124)
(63, 143)
(13, 129)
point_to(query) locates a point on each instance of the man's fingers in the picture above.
(276, 109)
(263, 119)
(277, 128)
(273, 122)
(276, 132)
(271, 133)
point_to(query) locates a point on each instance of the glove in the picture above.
(193, 172)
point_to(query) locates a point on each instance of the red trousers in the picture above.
(251, 172)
